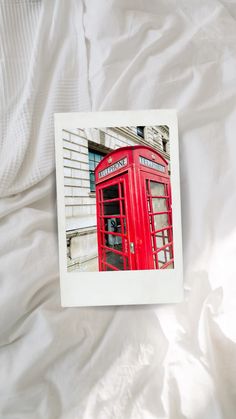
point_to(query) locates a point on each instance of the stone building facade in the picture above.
(82, 150)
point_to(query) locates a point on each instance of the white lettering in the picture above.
(116, 166)
(151, 164)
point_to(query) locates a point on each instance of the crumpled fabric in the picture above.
(137, 362)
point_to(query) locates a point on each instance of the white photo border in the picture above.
(120, 287)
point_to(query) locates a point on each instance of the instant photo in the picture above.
(118, 201)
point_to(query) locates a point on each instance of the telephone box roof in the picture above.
(140, 157)
(131, 148)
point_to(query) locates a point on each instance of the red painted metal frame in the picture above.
(132, 176)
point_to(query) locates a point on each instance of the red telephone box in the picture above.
(134, 216)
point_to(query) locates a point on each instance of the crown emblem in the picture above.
(153, 156)
(109, 160)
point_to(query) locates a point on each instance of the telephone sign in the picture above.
(113, 168)
(151, 164)
(134, 215)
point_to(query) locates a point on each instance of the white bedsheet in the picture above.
(171, 361)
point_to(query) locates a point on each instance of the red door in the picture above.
(157, 204)
(116, 248)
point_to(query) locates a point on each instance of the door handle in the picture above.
(131, 246)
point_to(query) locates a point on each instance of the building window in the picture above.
(140, 131)
(94, 158)
(164, 144)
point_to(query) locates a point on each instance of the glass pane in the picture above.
(159, 204)
(112, 224)
(126, 264)
(160, 263)
(157, 189)
(98, 157)
(92, 176)
(114, 242)
(108, 268)
(122, 189)
(111, 208)
(92, 181)
(164, 256)
(94, 159)
(124, 226)
(140, 131)
(123, 207)
(111, 192)
(160, 241)
(116, 260)
(160, 221)
(91, 165)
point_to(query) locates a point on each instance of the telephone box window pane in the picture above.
(161, 258)
(123, 207)
(108, 268)
(157, 189)
(115, 260)
(112, 224)
(114, 242)
(159, 204)
(164, 256)
(160, 263)
(170, 266)
(111, 192)
(122, 189)
(112, 208)
(124, 226)
(161, 240)
(160, 221)
(126, 264)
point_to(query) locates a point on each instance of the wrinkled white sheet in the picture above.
(171, 361)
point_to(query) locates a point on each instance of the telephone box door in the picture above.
(157, 197)
(116, 249)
